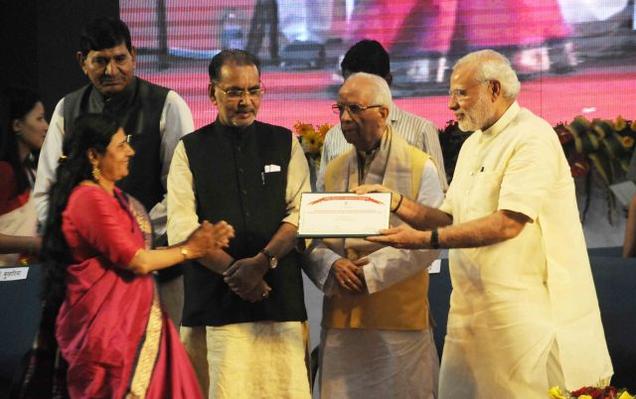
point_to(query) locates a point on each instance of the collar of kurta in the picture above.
(393, 113)
(504, 121)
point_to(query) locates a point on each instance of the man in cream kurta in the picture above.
(376, 340)
(523, 311)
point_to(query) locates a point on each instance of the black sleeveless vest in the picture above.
(230, 183)
(138, 110)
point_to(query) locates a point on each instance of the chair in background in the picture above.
(20, 307)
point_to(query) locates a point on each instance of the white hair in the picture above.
(492, 65)
(379, 87)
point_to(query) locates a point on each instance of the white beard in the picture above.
(477, 117)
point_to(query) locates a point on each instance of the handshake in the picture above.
(243, 276)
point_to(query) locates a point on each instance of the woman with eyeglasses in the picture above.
(100, 293)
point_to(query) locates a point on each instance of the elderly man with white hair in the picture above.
(523, 312)
(377, 341)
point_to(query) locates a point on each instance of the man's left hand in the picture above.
(245, 274)
(403, 236)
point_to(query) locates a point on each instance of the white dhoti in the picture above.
(382, 364)
(250, 360)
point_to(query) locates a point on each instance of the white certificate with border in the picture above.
(343, 214)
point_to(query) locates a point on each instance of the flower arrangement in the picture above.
(312, 138)
(590, 393)
(605, 145)
(602, 146)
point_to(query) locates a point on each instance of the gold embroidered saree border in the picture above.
(148, 352)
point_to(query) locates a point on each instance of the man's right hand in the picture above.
(244, 275)
(349, 274)
(378, 188)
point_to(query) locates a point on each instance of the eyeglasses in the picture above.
(236, 94)
(354, 109)
(462, 94)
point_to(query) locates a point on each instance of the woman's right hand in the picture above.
(207, 237)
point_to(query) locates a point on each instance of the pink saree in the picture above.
(111, 329)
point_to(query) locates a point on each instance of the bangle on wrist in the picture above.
(435, 238)
(184, 251)
(398, 204)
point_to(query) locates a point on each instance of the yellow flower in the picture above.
(585, 397)
(619, 124)
(303, 128)
(323, 129)
(627, 141)
(311, 142)
(555, 393)
(625, 395)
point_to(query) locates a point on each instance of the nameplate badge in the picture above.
(13, 273)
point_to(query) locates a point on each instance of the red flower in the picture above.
(596, 393)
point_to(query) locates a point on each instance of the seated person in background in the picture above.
(22, 130)
(629, 245)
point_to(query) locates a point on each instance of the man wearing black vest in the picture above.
(155, 116)
(244, 320)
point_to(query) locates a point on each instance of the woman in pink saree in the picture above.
(110, 328)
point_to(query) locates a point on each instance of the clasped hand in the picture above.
(209, 236)
(245, 278)
(349, 274)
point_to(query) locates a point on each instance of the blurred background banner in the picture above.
(575, 57)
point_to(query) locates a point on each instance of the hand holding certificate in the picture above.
(343, 214)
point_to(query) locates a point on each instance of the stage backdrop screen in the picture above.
(575, 57)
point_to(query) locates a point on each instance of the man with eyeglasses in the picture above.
(244, 320)
(523, 312)
(369, 56)
(156, 118)
(377, 341)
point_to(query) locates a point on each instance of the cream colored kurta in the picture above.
(523, 313)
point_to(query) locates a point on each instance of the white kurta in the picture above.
(523, 313)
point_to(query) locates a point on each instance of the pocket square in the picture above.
(272, 168)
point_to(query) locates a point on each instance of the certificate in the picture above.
(343, 214)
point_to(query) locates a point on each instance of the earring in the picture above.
(97, 174)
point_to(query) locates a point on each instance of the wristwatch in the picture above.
(271, 259)
(435, 238)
